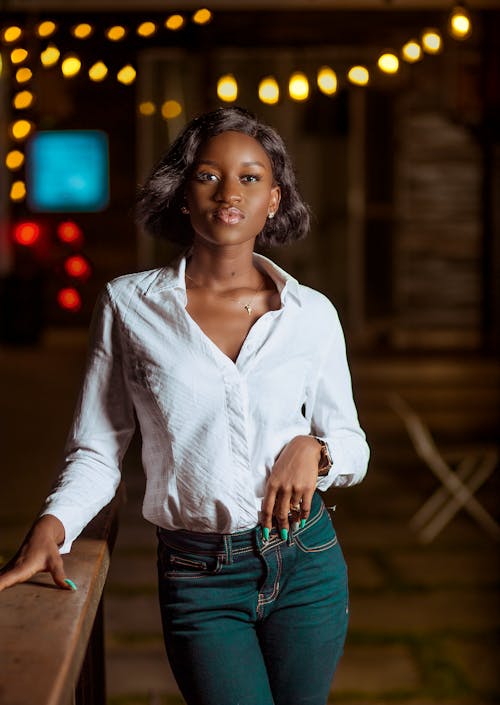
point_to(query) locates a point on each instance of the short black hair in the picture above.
(161, 197)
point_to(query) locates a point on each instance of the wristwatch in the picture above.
(325, 459)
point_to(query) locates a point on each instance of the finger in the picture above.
(266, 514)
(305, 507)
(56, 569)
(17, 574)
(281, 513)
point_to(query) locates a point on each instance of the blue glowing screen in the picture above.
(68, 171)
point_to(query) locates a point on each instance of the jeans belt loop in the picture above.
(228, 549)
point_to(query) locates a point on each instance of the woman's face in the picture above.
(231, 191)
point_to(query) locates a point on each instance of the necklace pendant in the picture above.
(248, 309)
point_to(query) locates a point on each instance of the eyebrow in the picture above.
(214, 163)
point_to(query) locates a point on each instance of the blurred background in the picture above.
(391, 112)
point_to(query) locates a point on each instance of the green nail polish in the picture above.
(265, 533)
(302, 523)
(284, 534)
(71, 584)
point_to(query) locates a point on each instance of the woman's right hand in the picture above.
(39, 552)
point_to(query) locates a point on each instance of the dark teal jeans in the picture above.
(253, 623)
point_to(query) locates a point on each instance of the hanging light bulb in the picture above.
(202, 16)
(358, 75)
(98, 71)
(17, 56)
(50, 56)
(46, 29)
(126, 75)
(22, 100)
(71, 65)
(388, 62)
(11, 34)
(174, 22)
(227, 88)
(147, 108)
(327, 80)
(82, 30)
(411, 51)
(171, 109)
(18, 191)
(20, 129)
(116, 33)
(146, 29)
(298, 86)
(460, 25)
(23, 75)
(14, 159)
(431, 41)
(269, 90)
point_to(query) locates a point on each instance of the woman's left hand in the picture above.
(291, 484)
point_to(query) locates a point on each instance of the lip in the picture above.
(228, 216)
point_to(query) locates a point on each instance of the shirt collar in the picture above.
(173, 277)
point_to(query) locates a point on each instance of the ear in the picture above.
(275, 199)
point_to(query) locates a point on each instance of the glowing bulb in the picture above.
(358, 75)
(147, 108)
(460, 24)
(431, 41)
(18, 191)
(126, 75)
(412, 51)
(69, 233)
(20, 129)
(26, 233)
(298, 86)
(14, 160)
(11, 34)
(171, 109)
(69, 299)
(77, 266)
(146, 29)
(327, 80)
(269, 91)
(71, 66)
(174, 22)
(388, 63)
(46, 28)
(50, 56)
(17, 56)
(23, 75)
(98, 71)
(227, 88)
(116, 33)
(202, 16)
(82, 30)
(22, 100)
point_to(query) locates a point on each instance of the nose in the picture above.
(228, 191)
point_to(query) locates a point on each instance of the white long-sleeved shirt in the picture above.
(211, 428)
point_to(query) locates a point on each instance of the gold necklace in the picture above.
(247, 306)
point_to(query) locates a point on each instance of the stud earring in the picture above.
(270, 216)
(185, 210)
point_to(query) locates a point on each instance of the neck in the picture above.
(223, 267)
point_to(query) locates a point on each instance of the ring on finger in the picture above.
(295, 507)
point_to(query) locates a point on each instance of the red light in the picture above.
(26, 233)
(77, 266)
(69, 233)
(69, 299)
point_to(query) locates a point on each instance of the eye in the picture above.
(250, 178)
(205, 176)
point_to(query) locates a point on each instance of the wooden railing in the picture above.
(51, 640)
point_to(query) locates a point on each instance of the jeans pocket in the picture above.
(318, 536)
(175, 563)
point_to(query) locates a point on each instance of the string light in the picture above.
(69, 299)
(298, 86)
(17, 56)
(18, 191)
(50, 56)
(227, 88)
(460, 26)
(411, 51)
(327, 80)
(98, 71)
(20, 129)
(14, 160)
(71, 65)
(388, 63)
(146, 29)
(358, 75)
(27, 233)
(126, 75)
(116, 33)
(22, 100)
(147, 108)
(269, 91)
(431, 41)
(202, 16)
(69, 233)
(46, 29)
(174, 22)
(23, 75)
(11, 34)
(171, 109)
(82, 30)
(78, 267)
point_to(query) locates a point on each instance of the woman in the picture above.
(239, 381)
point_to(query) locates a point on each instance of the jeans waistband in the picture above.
(231, 544)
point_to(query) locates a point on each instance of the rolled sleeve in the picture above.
(102, 427)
